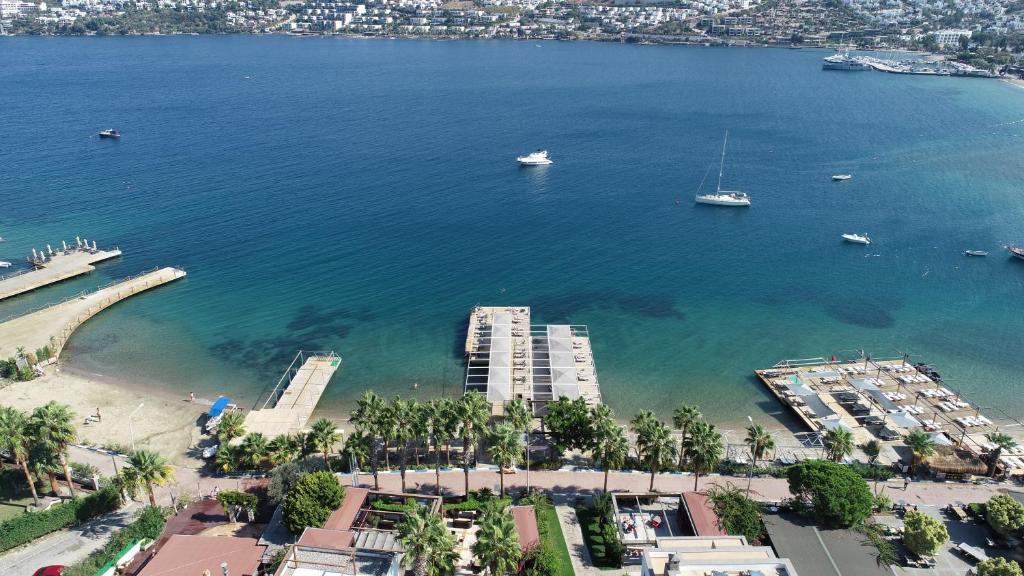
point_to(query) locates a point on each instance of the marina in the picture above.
(50, 266)
(291, 403)
(884, 399)
(52, 326)
(846, 62)
(510, 359)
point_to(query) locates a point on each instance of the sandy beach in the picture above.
(164, 423)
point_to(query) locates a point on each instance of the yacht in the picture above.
(110, 133)
(1016, 251)
(975, 253)
(4, 264)
(724, 197)
(844, 62)
(538, 158)
(857, 238)
(841, 177)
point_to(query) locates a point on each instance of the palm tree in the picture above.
(921, 446)
(357, 447)
(253, 451)
(367, 417)
(15, 440)
(611, 447)
(497, 543)
(1002, 442)
(147, 468)
(683, 418)
(659, 449)
(283, 448)
(474, 411)
(704, 448)
(443, 425)
(838, 443)
(387, 429)
(231, 426)
(429, 546)
(759, 440)
(324, 435)
(872, 449)
(505, 447)
(520, 417)
(52, 426)
(420, 427)
(403, 413)
(642, 424)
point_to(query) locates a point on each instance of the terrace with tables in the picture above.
(644, 518)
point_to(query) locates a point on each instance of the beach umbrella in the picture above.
(78, 241)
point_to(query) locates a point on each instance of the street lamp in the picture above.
(131, 431)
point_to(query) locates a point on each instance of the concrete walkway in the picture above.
(573, 533)
(67, 546)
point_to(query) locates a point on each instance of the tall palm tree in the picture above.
(253, 451)
(15, 440)
(231, 426)
(759, 440)
(367, 417)
(611, 447)
(420, 427)
(659, 449)
(147, 468)
(1002, 442)
(429, 546)
(704, 448)
(505, 447)
(683, 418)
(357, 446)
(838, 443)
(387, 429)
(497, 543)
(324, 435)
(52, 425)
(403, 414)
(872, 449)
(520, 417)
(283, 448)
(642, 424)
(474, 411)
(921, 446)
(443, 426)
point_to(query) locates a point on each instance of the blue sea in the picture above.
(362, 196)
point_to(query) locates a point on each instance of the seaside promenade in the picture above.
(53, 325)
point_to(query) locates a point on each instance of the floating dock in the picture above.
(50, 266)
(292, 401)
(878, 398)
(53, 325)
(508, 358)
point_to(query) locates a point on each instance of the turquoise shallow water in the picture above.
(362, 196)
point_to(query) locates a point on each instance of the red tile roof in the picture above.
(192, 555)
(345, 515)
(702, 515)
(330, 539)
(526, 526)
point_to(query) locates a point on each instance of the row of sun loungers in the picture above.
(914, 378)
(936, 393)
(972, 421)
(912, 409)
(898, 369)
(1012, 462)
(953, 406)
(852, 370)
(895, 396)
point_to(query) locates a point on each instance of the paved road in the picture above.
(66, 547)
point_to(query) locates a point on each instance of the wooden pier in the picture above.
(53, 325)
(293, 400)
(50, 266)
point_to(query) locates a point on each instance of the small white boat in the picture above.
(975, 253)
(841, 177)
(723, 197)
(4, 264)
(538, 158)
(857, 238)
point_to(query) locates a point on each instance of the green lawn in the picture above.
(547, 519)
(14, 493)
(594, 539)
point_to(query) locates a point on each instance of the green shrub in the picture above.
(1005, 515)
(479, 501)
(923, 535)
(29, 526)
(998, 567)
(312, 500)
(147, 526)
(738, 515)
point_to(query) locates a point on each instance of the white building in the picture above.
(951, 36)
(700, 555)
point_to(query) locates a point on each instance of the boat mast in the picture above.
(721, 167)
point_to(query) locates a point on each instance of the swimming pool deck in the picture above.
(54, 267)
(289, 408)
(53, 325)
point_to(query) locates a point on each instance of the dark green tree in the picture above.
(838, 496)
(311, 501)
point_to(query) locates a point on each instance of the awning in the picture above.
(219, 406)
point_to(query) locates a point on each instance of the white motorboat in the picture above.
(841, 177)
(845, 62)
(975, 253)
(538, 158)
(857, 238)
(4, 264)
(723, 197)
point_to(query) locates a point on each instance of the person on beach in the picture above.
(98, 417)
(191, 396)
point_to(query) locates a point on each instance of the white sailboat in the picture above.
(724, 197)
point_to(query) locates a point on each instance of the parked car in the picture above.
(54, 570)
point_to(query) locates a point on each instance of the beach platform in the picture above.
(291, 403)
(51, 266)
(508, 358)
(883, 399)
(52, 326)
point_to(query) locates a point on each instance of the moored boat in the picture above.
(975, 253)
(841, 177)
(723, 197)
(1016, 251)
(538, 158)
(110, 133)
(857, 238)
(4, 264)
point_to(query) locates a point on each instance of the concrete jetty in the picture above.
(508, 358)
(50, 266)
(292, 401)
(53, 325)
